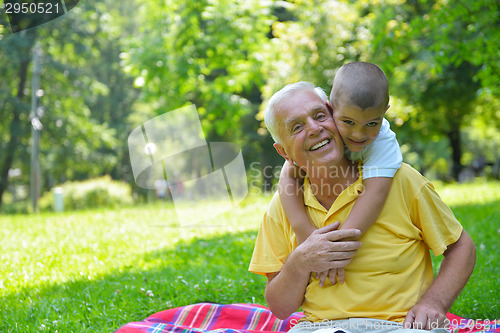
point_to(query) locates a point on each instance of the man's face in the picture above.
(358, 128)
(307, 131)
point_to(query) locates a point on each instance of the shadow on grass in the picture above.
(212, 269)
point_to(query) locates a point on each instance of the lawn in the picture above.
(93, 271)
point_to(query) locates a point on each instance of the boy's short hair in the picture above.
(269, 113)
(362, 84)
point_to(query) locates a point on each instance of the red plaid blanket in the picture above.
(247, 318)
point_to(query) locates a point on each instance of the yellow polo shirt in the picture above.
(391, 270)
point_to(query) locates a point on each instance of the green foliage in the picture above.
(86, 96)
(92, 193)
(90, 96)
(310, 47)
(439, 59)
(18, 207)
(207, 53)
(109, 66)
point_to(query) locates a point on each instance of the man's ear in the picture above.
(281, 150)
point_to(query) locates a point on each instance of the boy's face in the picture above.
(358, 127)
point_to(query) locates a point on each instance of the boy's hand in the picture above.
(331, 275)
(336, 271)
(322, 277)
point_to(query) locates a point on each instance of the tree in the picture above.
(441, 57)
(87, 96)
(16, 52)
(84, 64)
(309, 42)
(206, 53)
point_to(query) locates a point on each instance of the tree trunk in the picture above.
(16, 124)
(456, 151)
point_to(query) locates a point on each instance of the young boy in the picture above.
(359, 100)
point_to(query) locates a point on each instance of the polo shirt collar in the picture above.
(346, 196)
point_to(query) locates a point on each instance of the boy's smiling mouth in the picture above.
(357, 143)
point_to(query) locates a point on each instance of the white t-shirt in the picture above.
(382, 157)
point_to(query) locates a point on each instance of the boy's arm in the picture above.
(369, 204)
(290, 191)
(364, 213)
(381, 160)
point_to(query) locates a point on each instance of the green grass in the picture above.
(477, 207)
(93, 271)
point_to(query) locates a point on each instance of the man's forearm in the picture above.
(285, 290)
(456, 268)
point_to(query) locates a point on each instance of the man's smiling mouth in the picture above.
(320, 145)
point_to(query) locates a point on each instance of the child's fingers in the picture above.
(340, 272)
(322, 278)
(332, 275)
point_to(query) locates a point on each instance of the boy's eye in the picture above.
(372, 124)
(349, 122)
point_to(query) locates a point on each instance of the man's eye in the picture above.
(296, 128)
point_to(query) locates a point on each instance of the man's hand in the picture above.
(426, 317)
(327, 248)
(324, 249)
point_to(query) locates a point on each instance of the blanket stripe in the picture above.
(252, 318)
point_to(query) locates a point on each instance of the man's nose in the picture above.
(313, 127)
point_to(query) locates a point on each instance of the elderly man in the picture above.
(389, 283)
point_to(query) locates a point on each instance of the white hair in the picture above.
(283, 94)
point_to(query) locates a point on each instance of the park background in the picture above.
(116, 253)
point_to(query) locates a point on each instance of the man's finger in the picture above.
(342, 234)
(437, 320)
(339, 263)
(336, 256)
(332, 275)
(347, 246)
(446, 323)
(421, 320)
(409, 320)
(328, 228)
(340, 272)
